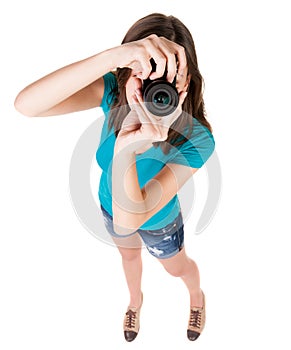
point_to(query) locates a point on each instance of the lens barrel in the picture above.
(161, 97)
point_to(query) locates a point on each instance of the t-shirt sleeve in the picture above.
(110, 85)
(197, 149)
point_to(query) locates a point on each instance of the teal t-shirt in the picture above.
(194, 153)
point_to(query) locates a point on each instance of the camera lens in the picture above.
(161, 97)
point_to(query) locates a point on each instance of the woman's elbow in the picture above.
(122, 230)
(125, 224)
(22, 108)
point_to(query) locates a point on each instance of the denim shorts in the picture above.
(161, 243)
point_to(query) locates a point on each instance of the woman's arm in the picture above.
(133, 206)
(79, 85)
(71, 88)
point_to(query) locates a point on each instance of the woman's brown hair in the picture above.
(173, 29)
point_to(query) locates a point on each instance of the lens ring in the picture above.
(165, 89)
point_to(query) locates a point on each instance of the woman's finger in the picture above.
(159, 125)
(178, 51)
(146, 68)
(171, 61)
(182, 80)
(163, 53)
(171, 67)
(138, 107)
(153, 47)
(181, 59)
(146, 117)
(131, 122)
(182, 97)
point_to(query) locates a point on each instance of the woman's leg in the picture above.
(182, 266)
(130, 250)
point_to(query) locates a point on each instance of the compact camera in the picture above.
(160, 96)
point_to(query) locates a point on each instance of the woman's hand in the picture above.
(137, 54)
(141, 128)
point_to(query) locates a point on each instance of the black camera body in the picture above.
(160, 96)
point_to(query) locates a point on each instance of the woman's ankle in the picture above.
(196, 298)
(136, 300)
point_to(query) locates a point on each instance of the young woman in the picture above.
(145, 158)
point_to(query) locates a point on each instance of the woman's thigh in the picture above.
(130, 246)
(166, 242)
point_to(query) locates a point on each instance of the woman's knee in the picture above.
(130, 254)
(129, 247)
(176, 266)
(175, 271)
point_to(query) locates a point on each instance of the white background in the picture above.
(61, 288)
